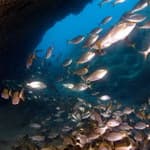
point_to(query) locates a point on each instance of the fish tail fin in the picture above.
(10, 93)
(21, 94)
(83, 78)
(144, 54)
(90, 86)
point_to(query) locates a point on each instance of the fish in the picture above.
(96, 30)
(90, 40)
(36, 85)
(35, 125)
(125, 126)
(76, 40)
(48, 53)
(30, 59)
(118, 113)
(52, 135)
(86, 57)
(141, 115)
(38, 138)
(128, 110)
(97, 117)
(141, 125)
(115, 136)
(103, 2)
(105, 98)
(134, 18)
(86, 115)
(138, 137)
(68, 85)
(118, 2)
(116, 34)
(6, 93)
(81, 87)
(113, 123)
(81, 71)
(145, 26)
(17, 96)
(102, 130)
(66, 129)
(76, 116)
(67, 63)
(140, 6)
(106, 115)
(96, 75)
(106, 20)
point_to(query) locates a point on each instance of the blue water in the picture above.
(81, 24)
(127, 69)
(127, 80)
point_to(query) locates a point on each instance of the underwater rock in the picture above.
(22, 24)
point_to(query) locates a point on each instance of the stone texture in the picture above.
(22, 24)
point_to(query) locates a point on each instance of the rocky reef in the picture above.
(22, 24)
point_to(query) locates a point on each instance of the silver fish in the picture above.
(141, 126)
(118, 1)
(96, 30)
(67, 63)
(105, 98)
(81, 71)
(128, 110)
(135, 18)
(38, 138)
(96, 75)
(117, 33)
(113, 123)
(37, 85)
(88, 56)
(145, 26)
(140, 6)
(106, 20)
(80, 87)
(90, 40)
(76, 40)
(125, 126)
(115, 136)
(35, 125)
(103, 2)
(49, 52)
(68, 85)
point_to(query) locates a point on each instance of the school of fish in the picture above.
(105, 124)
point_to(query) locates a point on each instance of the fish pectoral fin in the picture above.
(22, 98)
(90, 86)
(83, 78)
